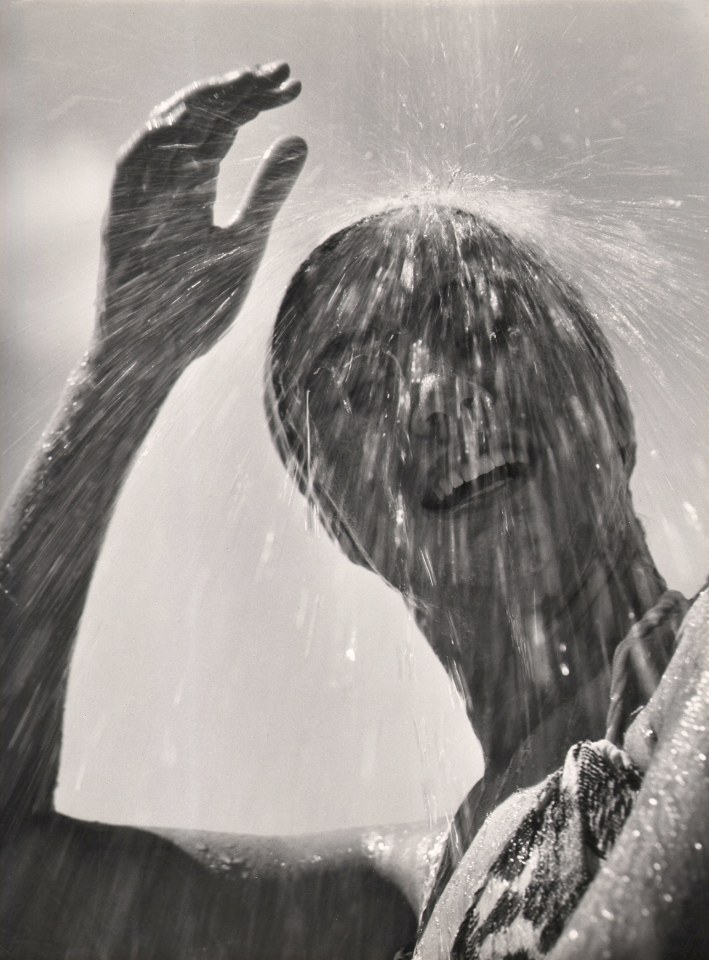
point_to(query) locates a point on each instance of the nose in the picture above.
(444, 401)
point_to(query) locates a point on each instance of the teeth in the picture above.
(481, 466)
(473, 469)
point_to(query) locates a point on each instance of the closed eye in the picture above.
(371, 381)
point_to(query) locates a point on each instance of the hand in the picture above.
(172, 282)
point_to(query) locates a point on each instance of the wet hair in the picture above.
(393, 262)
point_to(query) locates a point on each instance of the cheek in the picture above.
(358, 461)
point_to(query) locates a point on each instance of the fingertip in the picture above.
(277, 71)
(287, 152)
(288, 91)
(273, 182)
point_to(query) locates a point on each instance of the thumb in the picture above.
(269, 188)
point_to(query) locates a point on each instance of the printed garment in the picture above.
(544, 868)
(519, 903)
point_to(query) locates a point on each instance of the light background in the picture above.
(233, 671)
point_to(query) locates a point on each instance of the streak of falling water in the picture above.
(587, 174)
(577, 129)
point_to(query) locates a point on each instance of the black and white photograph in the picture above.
(354, 434)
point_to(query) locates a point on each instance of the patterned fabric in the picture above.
(574, 803)
(638, 664)
(544, 868)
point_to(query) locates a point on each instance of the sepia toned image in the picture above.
(354, 422)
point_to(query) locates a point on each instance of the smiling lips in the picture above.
(473, 479)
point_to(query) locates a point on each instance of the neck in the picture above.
(537, 680)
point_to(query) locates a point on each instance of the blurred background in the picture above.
(233, 671)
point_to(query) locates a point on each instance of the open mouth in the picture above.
(457, 492)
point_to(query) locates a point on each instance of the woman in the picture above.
(454, 413)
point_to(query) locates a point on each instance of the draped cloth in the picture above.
(535, 856)
(543, 869)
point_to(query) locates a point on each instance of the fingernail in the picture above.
(290, 87)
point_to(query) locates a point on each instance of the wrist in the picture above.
(116, 369)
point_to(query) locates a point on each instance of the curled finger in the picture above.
(270, 187)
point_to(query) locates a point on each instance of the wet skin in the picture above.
(458, 452)
(172, 282)
(466, 446)
(444, 410)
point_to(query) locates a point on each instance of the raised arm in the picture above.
(171, 285)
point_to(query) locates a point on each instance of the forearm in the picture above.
(185, 894)
(341, 894)
(50, 540)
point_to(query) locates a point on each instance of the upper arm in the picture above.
(651, 893)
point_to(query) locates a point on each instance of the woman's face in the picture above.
(460, 443)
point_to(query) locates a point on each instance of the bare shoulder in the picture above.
(403, 855)
(90, 889)
(658, 870)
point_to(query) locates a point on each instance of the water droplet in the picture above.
(698, 846)
(573, 934)
(692, 514)
(653, 801)
(667, 897)
(607, 914)
(564, 670)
